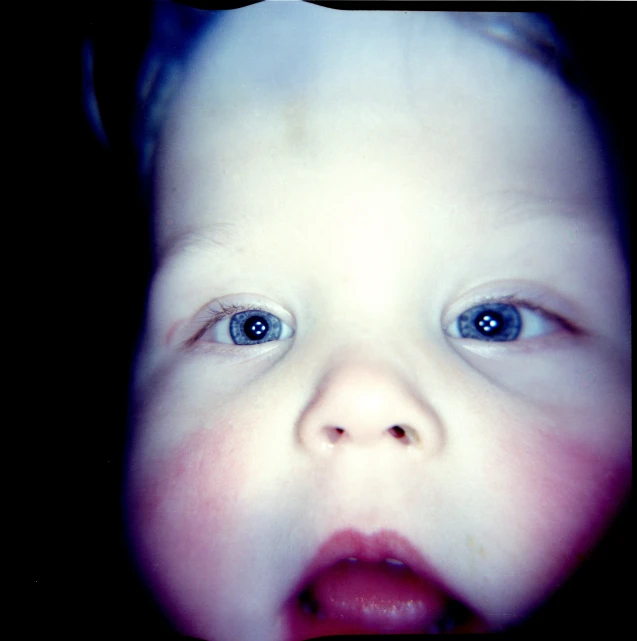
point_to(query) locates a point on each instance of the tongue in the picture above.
(379, 597)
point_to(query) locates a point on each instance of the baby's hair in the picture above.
(529, 34)
(125, 95)
(175, 31)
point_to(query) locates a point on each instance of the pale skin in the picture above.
(367, 206)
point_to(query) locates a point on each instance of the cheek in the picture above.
(556, 496)
(183, 515)
(571, 488)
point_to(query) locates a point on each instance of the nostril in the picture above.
(406, 435)
(334, 433)
(397, 431)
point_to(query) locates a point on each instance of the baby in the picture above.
(384, 381)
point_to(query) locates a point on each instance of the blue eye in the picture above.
(253, 327)
(239, 325)
(490, 322)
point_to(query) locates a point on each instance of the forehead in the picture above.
(300, 59)
(271, 54)
(276, 88)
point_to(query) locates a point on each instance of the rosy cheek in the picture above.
(556, 499)
(183, 511)
(577, 482)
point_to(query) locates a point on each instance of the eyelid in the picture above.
(510, 299)
(219, 309)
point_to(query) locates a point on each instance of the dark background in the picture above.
(84, 259)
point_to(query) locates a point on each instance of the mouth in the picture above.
(378, 584)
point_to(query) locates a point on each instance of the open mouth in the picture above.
(377, 584)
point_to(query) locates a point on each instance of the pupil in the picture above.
(489, 323)
(255, 327)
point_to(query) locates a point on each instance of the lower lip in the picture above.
(301, 626)
(303, 623)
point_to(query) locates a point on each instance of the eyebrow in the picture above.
(216, 236)
(511, 206)
(498, 209)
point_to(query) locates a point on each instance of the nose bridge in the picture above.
(368, 403)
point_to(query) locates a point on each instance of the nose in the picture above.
(368, 405)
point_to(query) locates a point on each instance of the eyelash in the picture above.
(519, 303)
(214, 316)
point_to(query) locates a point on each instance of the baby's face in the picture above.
(378, 199)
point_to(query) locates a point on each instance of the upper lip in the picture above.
(385, 544)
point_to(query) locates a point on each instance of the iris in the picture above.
(248, 328)
(490, 322)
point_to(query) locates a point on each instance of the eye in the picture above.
(502, 322)
(244, 327)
